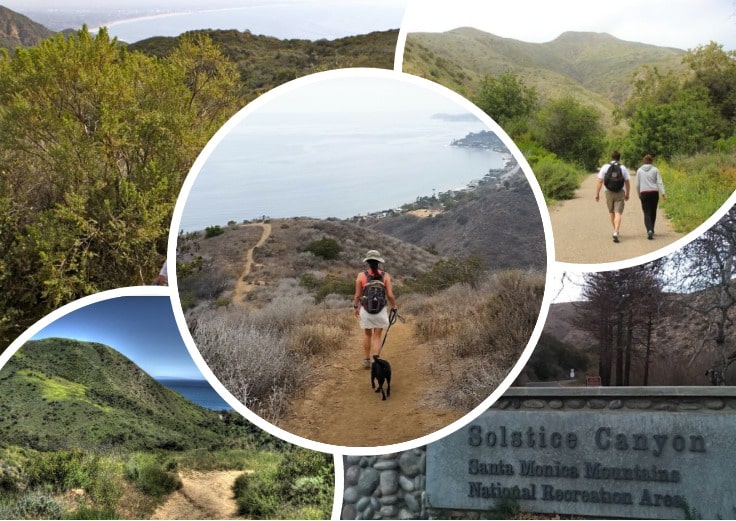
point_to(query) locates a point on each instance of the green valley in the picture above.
(79, 416)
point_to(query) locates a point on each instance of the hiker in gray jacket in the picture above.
(649, 185)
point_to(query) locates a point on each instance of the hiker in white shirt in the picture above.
(617, 189)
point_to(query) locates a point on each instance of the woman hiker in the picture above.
(649, 185)
(373, 291)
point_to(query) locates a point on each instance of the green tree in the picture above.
(686, 125)
(650, 87)
(715, 70)
(571, 130)
(508, 101)
(94, 144)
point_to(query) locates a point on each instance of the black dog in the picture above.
(381, 371)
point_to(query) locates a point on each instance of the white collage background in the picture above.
(680, 24)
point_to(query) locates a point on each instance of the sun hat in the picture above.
(373, 254)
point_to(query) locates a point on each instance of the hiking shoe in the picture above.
(650, 235)
(366, 364)
(615, 236)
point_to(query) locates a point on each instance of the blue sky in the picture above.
(142, 328)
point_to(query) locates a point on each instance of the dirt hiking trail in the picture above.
(242, 287)
(203, 495)
(582, 228)
(340, 408)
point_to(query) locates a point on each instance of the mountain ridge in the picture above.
(501, 224)
(576, 63)
(17, 30)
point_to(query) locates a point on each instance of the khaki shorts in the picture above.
(615, 201)
(371, 321)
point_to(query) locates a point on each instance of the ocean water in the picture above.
(305, 19)
(335, 164)
(197, 391)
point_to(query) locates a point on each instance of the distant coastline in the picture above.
(306, 20)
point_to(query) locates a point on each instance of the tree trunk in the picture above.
(649, 350)
(605, 352)
(629, 348)
(619, 348)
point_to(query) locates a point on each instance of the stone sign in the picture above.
(609, 463)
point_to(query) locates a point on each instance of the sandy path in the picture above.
(582, 229)
(241, 286)
(203, 495)
(340, 408)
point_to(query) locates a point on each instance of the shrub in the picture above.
(322, 286)
(476, 384)
(257, 495)
(306, 476)
(150, 475)
(213, 231)
(61, 470)
(448, 272)
(557, 179)
(326, 247)
(36, 505)
(444, 314)
(492, 335)
(205, 284)
(507, 319)
(697, 187)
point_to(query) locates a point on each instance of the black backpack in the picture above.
(374, 293)
(614, 177)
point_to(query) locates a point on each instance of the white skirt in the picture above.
(373, 321)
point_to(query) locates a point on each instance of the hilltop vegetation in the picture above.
(90, 177)
(265, 62)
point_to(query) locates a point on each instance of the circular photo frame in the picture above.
(316, 189)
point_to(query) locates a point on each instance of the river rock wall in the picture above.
(390, 486)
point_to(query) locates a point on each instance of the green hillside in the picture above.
(596, 68)
(61, 393)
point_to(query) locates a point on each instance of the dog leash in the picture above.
(392, 317)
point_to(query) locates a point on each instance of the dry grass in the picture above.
(251, 357)
(477, 336)
(444, 315)
(259, 355)
(323, 333)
